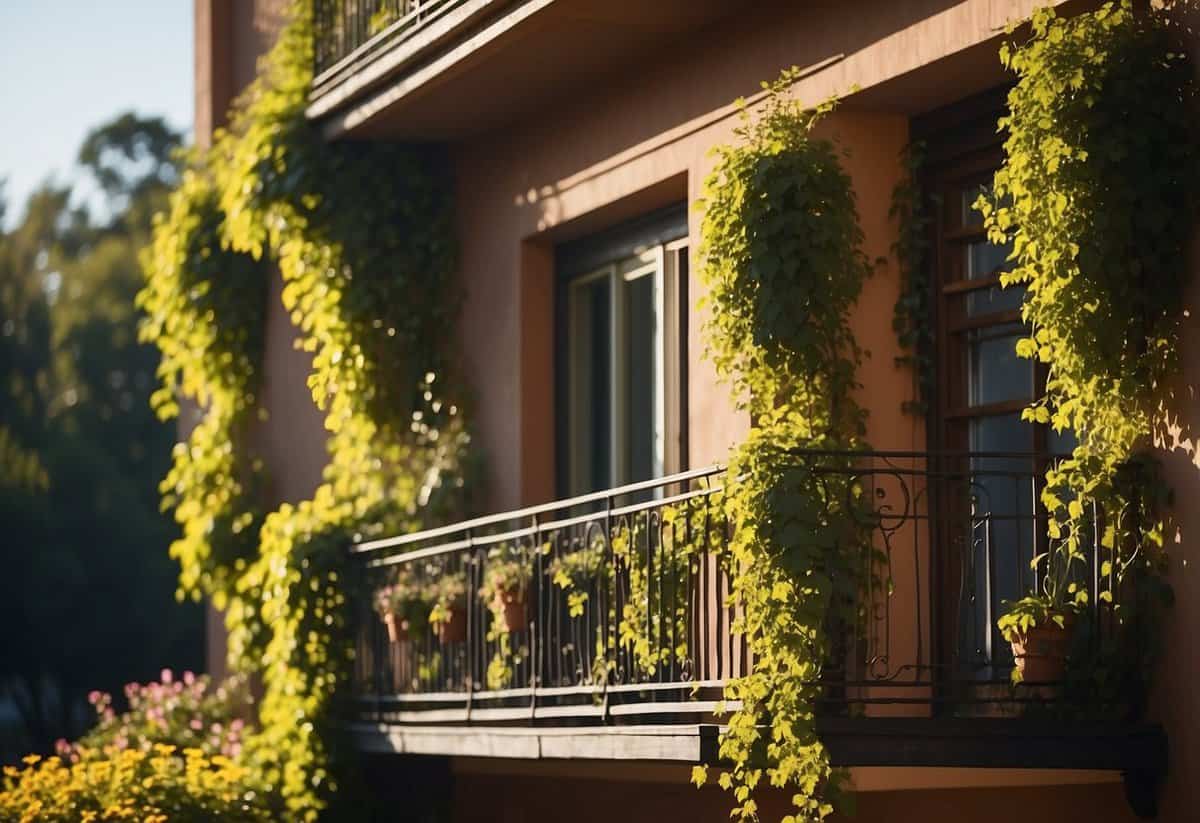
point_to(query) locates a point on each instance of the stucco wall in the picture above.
(230, 37)
(521, 191)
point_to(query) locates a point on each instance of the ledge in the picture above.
(670, 743)
(857, 742)
(994, 743)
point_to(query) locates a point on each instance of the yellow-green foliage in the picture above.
(158, 786)
(1097, 195)
(203, 307)
(21, 467)
(782, 260)
(362, 236)
(912, 316)
(657, 557)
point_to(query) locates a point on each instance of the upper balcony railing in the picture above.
(616, 607)
(351, 31)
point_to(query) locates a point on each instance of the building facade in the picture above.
(580, 134)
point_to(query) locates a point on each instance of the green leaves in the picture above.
(1099, 180)
(912, 315)
(782, 261)
(371, 292)
(781, 249)
(203, 306)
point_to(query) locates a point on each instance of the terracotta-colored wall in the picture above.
(644, 136)
(230, 37)
(644, 142)
(639, 140)
(1175, 699)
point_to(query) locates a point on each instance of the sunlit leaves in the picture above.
(371, 292)
(1097, 196)
(203, 308)
(782, 261)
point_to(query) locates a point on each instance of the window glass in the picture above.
(644, 442)
(995, 372)
(616, 344)
(590, 344)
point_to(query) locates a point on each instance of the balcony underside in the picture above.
(913, 742)
(483, 63)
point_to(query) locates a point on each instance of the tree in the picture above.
(86, 587)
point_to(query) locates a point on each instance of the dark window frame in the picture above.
(578, 258)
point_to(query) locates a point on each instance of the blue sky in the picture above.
(69, 65)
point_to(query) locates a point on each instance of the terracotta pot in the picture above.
(1041, 653)
(393, 627)
(511, 604)
(454, 629)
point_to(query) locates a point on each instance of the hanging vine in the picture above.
(783, 263)
(204, 307)
(1097, 196)
(912, 317)
(371, 294)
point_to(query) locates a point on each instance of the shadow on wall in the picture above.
(1174, 699)
(518, 799)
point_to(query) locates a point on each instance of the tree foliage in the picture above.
(80, 454)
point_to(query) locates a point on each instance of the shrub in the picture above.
(189, 713)
(163, 785)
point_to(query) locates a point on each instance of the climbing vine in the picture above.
(912, 317)
(1097, 196)
(204, 308)
(783, 263)
(371, 294)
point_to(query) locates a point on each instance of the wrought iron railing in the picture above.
(617, 605)
(351, 31)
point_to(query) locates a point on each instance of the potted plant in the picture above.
(1039, 632)
(403, 605)
(506, 585)
(383, 607)
(448, 616)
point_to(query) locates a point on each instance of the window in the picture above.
(993, 460)
(622, 322)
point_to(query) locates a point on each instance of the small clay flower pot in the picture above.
(454, 628)
(393, 627)
(510, 604)
(1041, 653)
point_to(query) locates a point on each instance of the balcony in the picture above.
(443, 69)
(600, 628)
(353, 34)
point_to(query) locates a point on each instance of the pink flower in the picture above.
(93, 697)
(196, 725)
(166, 676)
(189, 678)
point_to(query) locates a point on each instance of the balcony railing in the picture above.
(617, 604)
(352, 31)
